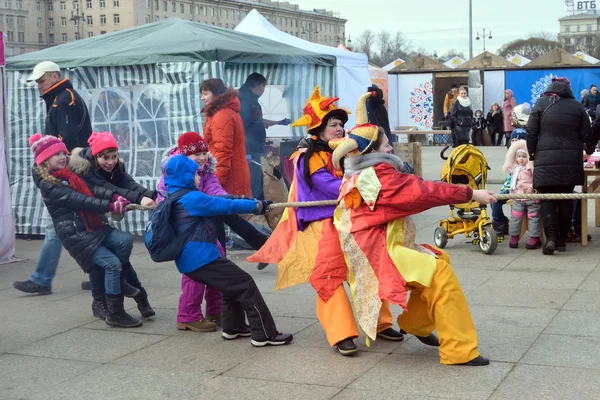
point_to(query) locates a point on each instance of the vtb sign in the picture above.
(581, 5)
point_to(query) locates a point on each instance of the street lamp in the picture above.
(78, 18)
(483, 36)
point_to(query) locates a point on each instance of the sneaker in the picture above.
(230, 334)
(216, 318)
(391, 334)
(347, 347)
(514, 242)
(533, 243)
(87, 285)
(278, 340)
(32, 287)
(202, 325)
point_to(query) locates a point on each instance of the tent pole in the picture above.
(471, 29)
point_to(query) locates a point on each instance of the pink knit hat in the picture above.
(100, 141)
(45, 147)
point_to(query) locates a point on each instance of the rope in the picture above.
(522, 196)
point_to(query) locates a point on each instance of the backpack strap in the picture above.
(179, 194)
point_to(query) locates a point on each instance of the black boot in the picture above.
(117, 316)
(550, 218)
(144, 307)
(128, 290)
(99, 309)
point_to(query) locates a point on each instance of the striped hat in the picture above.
(44, 147)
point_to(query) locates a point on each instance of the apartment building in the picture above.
(31, 25)
(578, 32)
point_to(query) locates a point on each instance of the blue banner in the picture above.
(528, 85)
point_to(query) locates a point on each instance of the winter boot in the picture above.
(550, 218)
(144, 306)
(216, 318)
(99, 309)
(117, 316)
(514, 242)
(128, 290)
(533, 243)
(202, 325)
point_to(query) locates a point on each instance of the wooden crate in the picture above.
(411, 153)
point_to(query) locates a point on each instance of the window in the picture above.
(116, 19)
(20, 6)
(88, 4)
(181, 8)
(191, 10)
(21, 37)
(103, 32)
(578, 28)
(147, 18)
(567, 28)
(102, 4)
(50, 22)
(221, 13)
(90, 34)
(156, 5)
(76, 22)
(63, 6)
(226, 25)
(9, 19)
(50, 6)
(147, 3)
(77, 37)
(165, 5)
(89, 20)
(64, 37)
(76, 5)
(10, 36)
(51, 38)
(63, 21)
(103, 20)
(8, 4)
(204, 11)
(589, 28)
(156, 18)
(198, 10)
(174, 8)
(40, 38)
(21, 21)
(212, 12)
(116, 3)
(38, 6)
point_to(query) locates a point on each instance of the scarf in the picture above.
(91, 220)
(464, 102)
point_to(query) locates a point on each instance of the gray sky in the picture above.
(444, 24)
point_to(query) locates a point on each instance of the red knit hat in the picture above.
(191, 143)
(100, 141)
(45, 147)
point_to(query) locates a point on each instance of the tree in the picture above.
(531, 48)
(384, 40)
(366, 43)
(451, 54)
(399, 47)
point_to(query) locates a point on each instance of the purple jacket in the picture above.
(325, 186)
(209, 184)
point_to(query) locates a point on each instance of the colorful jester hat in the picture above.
(360, 139)
(319, 109)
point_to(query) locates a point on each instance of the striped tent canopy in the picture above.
(146, 107)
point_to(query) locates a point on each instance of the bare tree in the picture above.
(451, 54)
(399, 47)
(530, 48)
(544, 35)
(366, 43)
(384, 41)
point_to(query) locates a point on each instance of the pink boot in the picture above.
(514, 242)
(533, 243)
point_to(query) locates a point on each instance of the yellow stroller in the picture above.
(466, 165)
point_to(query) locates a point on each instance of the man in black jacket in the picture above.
(67, 117)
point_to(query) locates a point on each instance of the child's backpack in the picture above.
(161, 239)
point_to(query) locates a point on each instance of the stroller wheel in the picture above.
(489, 240)
(440, 237)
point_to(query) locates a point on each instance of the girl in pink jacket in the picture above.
(189, 314)
(521, 169)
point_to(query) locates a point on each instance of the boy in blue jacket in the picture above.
(201, 261)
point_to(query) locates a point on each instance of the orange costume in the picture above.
(378, 240)
(305, 244)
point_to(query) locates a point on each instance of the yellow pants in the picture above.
(337, 318)
(442, 307)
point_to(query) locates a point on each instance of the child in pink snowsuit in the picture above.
(189, 313)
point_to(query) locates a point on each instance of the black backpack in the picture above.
(161, 239)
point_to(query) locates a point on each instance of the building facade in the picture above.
(578, 32)
(31, 25)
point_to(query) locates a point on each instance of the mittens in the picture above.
(118, 206)
(117, 197)
(262, 207)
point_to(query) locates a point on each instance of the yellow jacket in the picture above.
(448, 101)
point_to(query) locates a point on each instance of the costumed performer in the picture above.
(305, 244)
(378, 240)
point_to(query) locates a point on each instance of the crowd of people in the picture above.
(366, 240)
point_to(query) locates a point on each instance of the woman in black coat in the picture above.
(461, 118)
(557, 130)
(495, 124)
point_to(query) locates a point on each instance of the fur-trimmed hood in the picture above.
(510, 162)
(81, 161)
(209, 167)
(229, 98)
(354, 165)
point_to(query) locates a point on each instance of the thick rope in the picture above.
(522, 196)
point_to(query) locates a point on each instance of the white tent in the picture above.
(518, 59)
(454, 62)
(351, 68)
(586, 57)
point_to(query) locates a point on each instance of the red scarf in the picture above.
(90, 219)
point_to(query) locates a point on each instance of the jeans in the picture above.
(256, 177)
(49, 257)
(97, 282)
(113, 252)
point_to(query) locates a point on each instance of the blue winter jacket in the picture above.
(196, 208)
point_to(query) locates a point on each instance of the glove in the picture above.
(285, 121)
(117, 197)
(118, 206)
(262, 207)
